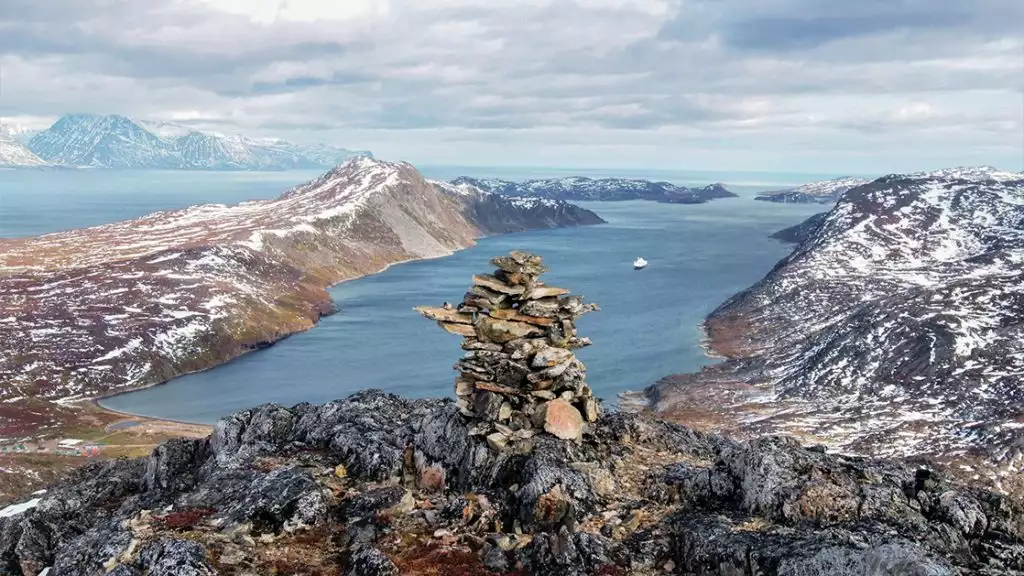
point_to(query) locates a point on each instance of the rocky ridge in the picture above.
(85, 140)
(131, 304)
(519, 374)
(578, 188)
(378, 485)
(892, 329)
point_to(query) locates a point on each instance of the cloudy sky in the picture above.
(860, 86)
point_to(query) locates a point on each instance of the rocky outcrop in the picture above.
(132, 304)
(578, 188)
(893, 329)
(375, 484)
(519, 376)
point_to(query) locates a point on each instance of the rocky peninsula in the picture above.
(378, 485)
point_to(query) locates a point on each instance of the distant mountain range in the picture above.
(112, 141)
(577, 188)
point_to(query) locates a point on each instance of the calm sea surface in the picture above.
(648, 326)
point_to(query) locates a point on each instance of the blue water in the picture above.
(647, 328)
(36, 202)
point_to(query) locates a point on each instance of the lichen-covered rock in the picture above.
(171, 557)
(370, 561)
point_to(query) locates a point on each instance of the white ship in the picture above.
(639, 264)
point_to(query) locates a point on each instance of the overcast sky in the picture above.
(858, 86)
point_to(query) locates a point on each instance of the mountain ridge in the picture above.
(119, 142)
(579, 188)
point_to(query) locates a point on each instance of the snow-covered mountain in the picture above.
(120, 142)
(895, 327)
(14, 154)
(578, 188)
(103, 142)
(821, 192)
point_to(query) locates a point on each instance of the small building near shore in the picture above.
(69, 443)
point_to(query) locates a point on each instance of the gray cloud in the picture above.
(754, 73)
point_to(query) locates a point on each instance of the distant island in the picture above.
(576, 188)
(113, 141)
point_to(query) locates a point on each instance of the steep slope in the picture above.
(14, 154)
(822, 192)
(103, 142)
(895, 327)
(605, 189)
(136, 303)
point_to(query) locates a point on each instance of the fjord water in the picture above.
(648, 326)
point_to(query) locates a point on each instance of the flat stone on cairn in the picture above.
(519, 375)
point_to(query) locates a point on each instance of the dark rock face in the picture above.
(604, 189)
(340, 488)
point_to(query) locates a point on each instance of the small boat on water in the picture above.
(639, 264)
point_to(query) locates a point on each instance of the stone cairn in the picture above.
(519, 374)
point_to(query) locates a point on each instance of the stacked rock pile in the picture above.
(519, 374)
